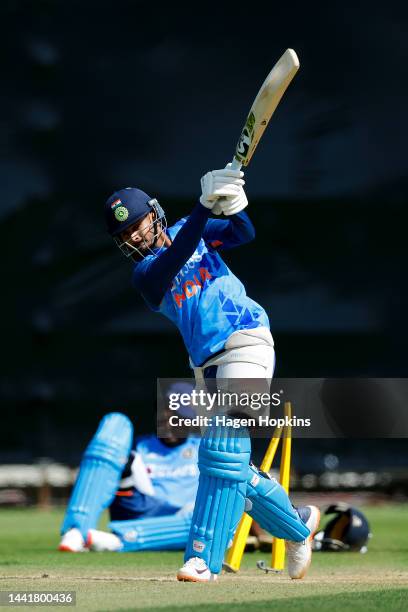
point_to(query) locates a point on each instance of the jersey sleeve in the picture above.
(141, 282)
(229, 233)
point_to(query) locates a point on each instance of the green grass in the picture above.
(145, 581)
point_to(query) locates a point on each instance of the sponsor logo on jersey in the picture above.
(183, 288)
(190, 287)
(188, 266)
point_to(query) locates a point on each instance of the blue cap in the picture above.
(125, 207)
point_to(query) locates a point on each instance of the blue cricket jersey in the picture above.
(193, 287)
(172, 470)
(173, 473)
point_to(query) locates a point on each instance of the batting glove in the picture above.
(231, 206)
(225, 183)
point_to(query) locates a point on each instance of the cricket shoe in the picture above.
(103, 541)
(300, 553)
(72, 541)
(195, 570)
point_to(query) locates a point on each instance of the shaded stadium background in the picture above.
(101, 95)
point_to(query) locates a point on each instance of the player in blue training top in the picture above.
(180, 273)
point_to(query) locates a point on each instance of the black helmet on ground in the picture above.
(347, 530)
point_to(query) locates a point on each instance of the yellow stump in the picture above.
(235, 553)
(278, 546)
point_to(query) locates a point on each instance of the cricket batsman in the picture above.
(180, 274)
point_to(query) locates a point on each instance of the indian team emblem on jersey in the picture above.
(121, 213)
(187, 453)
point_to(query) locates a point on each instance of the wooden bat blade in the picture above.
(265, 104)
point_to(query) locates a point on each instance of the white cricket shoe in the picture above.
(300, 553)
(195, 570)
(72, 541)
(103, 541)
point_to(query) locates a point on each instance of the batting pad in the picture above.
(99, 473)
(223, 461)
(269, 505)
(157, 533)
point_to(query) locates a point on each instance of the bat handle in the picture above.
(235, 164)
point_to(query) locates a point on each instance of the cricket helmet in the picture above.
(347, 530)
(127, 206)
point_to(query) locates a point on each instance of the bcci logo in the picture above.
(121, 213)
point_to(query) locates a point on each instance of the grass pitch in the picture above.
(146, 581)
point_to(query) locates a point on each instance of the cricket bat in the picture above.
(262, 109)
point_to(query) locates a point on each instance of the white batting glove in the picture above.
(231, 206)
(225, 183)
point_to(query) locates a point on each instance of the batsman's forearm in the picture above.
(231, 232)
(242, 228)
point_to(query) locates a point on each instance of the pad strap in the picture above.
(269, 505)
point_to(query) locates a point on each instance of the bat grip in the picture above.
(235, 164)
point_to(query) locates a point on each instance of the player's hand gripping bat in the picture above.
(262, 109)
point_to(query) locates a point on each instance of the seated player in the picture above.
(150, 491)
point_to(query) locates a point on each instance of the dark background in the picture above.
(101, 95)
